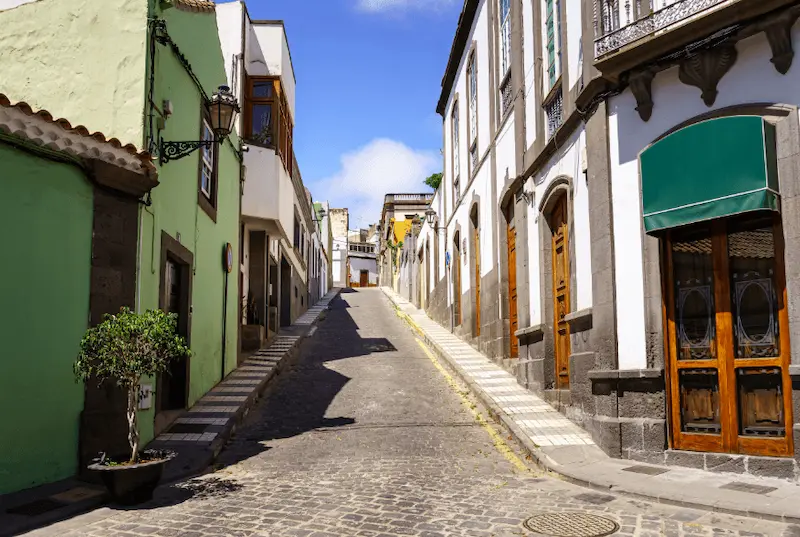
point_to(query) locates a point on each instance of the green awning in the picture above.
(711, 169)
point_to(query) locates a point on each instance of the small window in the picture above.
(268, 120)
(505, 36)
(455, 125)
(472, 79)
(207, 180)
(207, 165)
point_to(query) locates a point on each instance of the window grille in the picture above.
(554, 110)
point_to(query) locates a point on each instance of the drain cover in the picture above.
(571, 525)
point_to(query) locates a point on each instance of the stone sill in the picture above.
(532, 334)
(580, 320)
(610, 374)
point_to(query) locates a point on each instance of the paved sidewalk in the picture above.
(197, 436)
(562, 447)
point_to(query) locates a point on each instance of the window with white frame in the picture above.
(207, 165)
(456, 159)
(505, 37)
(553, 40)
(472, 81)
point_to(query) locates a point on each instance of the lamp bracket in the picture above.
(177, 150)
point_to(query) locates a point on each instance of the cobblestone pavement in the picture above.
(367, 436)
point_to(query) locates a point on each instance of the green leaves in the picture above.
(434, 181)
(127, 346)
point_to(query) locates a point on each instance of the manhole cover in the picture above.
(571, 525)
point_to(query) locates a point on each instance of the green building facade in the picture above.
(138, 72)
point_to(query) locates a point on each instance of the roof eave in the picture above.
(465, 21)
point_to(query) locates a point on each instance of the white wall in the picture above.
(229, 27)
(264, 189)
(270, 56)
(529, 69)
(752, 79)
(573, 53)
(357, 264)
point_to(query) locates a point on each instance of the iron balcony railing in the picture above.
(618, 23)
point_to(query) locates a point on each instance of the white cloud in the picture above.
(367, 174)
(376, 6)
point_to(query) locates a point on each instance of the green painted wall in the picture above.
(83, 60)
(44, 285)
(87, 61)
(176, 211)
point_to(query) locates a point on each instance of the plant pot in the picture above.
(131, 484)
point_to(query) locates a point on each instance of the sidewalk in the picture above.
(198, 435)
(559, 445)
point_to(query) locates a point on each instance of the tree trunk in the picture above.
(133, 426)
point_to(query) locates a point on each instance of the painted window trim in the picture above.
(552, 60)
(504, 25)
(208, 200)
(282, 123)
(455, 128)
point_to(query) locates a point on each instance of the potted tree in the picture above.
(124, 348)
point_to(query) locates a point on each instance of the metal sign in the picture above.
(227, 258)
(447, 259)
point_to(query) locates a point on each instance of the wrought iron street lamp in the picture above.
(222, 109)
(430, 214)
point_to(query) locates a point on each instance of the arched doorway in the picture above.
(513, 315)
(559, 229)
(456, 274)
(476, 270)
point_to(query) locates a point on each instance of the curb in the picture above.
(199, 465)
(545, 462)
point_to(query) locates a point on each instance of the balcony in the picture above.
(408, 198)
(635, 32)
(269, 192)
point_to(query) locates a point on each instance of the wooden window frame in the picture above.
(208, 202)
(729, 440)
(282, 124)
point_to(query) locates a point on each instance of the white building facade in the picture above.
(616, 222)
(277, 220)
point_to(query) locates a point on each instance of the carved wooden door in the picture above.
(728, 340)
(512, 289)
(561, 299)
(456, 280)
(477, 281)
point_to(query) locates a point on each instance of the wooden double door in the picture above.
(561, 291)
(727, 337)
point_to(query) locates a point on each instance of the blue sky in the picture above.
(368, 79)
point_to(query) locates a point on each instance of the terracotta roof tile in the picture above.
(143, 156)
(197, 6)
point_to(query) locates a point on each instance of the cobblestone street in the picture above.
(367, 435)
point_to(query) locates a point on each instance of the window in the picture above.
(268, 120)
(207, 181)
(296, 242)
(207, 164)
(456, 164)
(553, 38)
(505, 36)
(472, 105)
